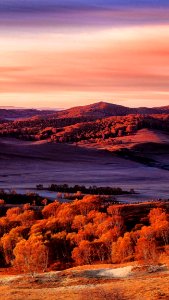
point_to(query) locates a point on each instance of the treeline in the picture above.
(15, 198)
(92, 190)
(37, 128)
(84, 231)
(110, 128)
(73, 130)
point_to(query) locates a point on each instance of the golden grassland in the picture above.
(74, 284)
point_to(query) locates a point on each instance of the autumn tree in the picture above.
(123, 249)
(39, 228)
(157, 215)
(51, 209)
(66, 215)
(27, 218)
(78, 222)
(82, 254)
(146, 250)
(159, 221)
(31, 255)
(9, 241)
(107, 238)
(13, 213)
(88, 203)
(117, 219)
(4, 226)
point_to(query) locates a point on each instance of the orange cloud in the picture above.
(113, 61)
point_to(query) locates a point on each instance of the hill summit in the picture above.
(103, 109)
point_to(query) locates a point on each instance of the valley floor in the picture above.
(23, 165)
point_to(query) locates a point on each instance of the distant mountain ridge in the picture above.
(95, 110)
(17, 113)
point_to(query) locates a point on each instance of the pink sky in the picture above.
(127, 65)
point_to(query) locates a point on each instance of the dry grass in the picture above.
(75, 285)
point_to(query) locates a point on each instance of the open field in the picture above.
(90, 282)
(25, 164)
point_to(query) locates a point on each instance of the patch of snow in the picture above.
(109, 273)
(118, 273)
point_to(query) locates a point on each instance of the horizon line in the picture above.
(9, 107)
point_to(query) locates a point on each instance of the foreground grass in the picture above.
(79, 284)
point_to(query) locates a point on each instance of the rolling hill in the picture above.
(93, 111)
(17, 113)
(104, 109)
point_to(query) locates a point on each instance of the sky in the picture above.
(64, 53)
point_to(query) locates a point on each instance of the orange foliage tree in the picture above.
(159, 221)
(9, 241)
(83, 253)
(51, 209)
(31, 255)
(146, 250)
(123, 249)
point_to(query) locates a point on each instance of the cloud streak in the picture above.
(70, 5)
(109, 60)
(87, 49)
(74, 13)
